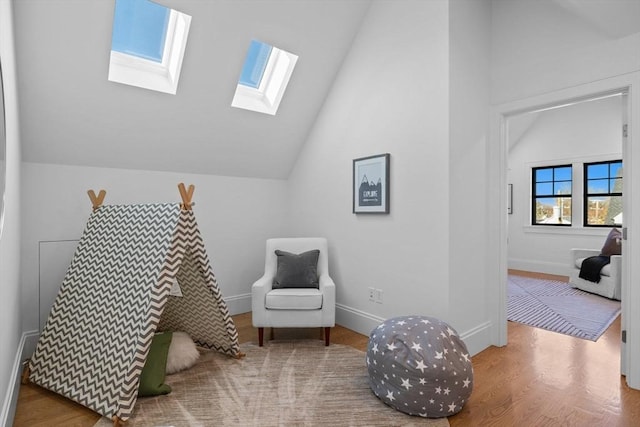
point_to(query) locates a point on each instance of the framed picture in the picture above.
(371, 184)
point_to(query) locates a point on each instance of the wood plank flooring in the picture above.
(540, 378)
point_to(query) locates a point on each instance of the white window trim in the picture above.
(147, 74)
(267, 97)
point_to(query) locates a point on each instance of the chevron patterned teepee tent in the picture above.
(117, 293)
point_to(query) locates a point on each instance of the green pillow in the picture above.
(154, 370)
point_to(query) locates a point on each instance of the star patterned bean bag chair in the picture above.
(419, 366)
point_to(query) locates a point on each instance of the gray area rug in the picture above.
(557, 307)
(284, 383)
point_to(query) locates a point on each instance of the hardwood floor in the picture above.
(540, 378)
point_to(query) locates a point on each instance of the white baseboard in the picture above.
(357, 320)
(238, 304)
(476, 339)
(560, 269)
(25, 349)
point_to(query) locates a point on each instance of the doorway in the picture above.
(560, 138)
(498, 221)
(560, 141)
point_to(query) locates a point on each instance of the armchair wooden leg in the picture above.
(327, 333)
(260, 336)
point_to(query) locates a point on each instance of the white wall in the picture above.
(538, 47)
(392, 95)
(470, 29)
(584, 132)
(235, 217)
(10, 332)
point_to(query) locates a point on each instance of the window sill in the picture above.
(569, 231)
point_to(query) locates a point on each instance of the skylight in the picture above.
(255, 64)
(140, 29)
(147, 45)
(264, 78)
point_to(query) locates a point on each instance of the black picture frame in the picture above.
(371, 184)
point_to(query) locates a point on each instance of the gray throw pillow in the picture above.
(297, 270)
(612, 244)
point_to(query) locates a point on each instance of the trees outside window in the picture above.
(603, 194)
(552, 196)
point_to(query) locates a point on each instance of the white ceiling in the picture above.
(71, 114)
(613, 18)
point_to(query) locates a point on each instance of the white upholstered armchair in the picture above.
(610, 275)
(292, 307)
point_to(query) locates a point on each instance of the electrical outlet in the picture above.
(379, 296)
(372, 294)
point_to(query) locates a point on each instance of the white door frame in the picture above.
(497, 206)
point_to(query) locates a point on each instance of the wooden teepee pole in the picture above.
(96, 201)
(186, 196)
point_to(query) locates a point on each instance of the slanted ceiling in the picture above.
(71, 114)
(612, 18)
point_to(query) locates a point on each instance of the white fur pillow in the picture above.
(183, 353)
